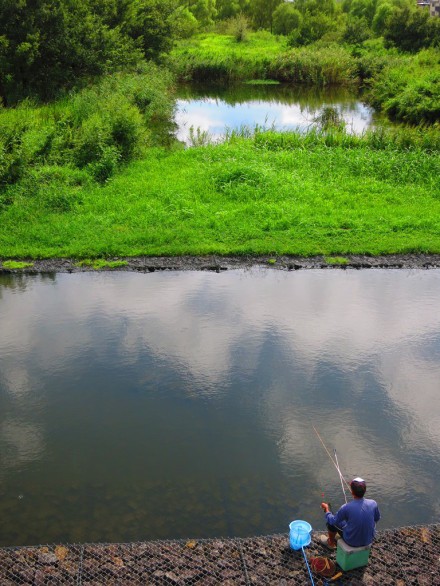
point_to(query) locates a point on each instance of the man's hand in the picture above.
(325, 507)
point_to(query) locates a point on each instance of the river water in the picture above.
(214, 110)
(182, 404)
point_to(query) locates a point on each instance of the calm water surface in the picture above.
(215, 109)
(182, 404)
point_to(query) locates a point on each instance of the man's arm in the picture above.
(335, 519)
(376, 514)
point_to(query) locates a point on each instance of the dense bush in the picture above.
(409, 89)
(95, 129)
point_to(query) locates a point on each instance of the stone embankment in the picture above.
(401, 557)
(148, 264)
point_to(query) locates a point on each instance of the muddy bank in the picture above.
(405, 556)
(219, 263)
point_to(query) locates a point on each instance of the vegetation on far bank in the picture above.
(276, 193)
(406, 87)
(88, 167)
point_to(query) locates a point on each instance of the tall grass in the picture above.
(222, 58)
(332, 65)
(322, 193)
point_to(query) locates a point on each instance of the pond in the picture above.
(283, 107)
(182, 404)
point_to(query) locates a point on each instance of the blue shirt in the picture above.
(357, 519)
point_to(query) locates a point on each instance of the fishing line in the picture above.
(332, 460)
(340, 477)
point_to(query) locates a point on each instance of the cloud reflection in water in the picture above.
(355, 353)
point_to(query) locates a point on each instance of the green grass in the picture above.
(221, 58)
(336, 260)
(274, 194)
(13, 264)
(101, 263)
(262, 58)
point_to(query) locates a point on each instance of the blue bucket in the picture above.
(300, 534)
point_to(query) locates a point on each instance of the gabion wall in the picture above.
(400, 557)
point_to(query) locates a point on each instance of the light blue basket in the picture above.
(300, 534)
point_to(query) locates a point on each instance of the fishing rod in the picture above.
(335, 464)
(340, 476)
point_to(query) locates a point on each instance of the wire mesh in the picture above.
(400, 557)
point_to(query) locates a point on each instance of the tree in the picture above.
(230, 8)
(383, 13)
(313, 28)
(286, 18)
(203, 10)
(149, 23)
(357, 30)
(48, 45)
(184, 23)
(262, 12)
(409, 29)
(363, 9)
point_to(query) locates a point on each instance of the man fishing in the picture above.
(355, 521)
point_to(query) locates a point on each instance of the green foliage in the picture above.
(286, 19)
(227, 9)
(204, 11)
(220, 58)
(262, 12)
(150, 24)
(409, 90)
(313, 27)
(411, 29)
(95, 129)
(184, 23)
(357, 30)
(239, 27)
(48, 46)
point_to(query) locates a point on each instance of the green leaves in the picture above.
(48, 46)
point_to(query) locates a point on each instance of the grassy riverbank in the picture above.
(274, 193)
(262, 56)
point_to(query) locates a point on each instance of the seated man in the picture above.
(355, 521)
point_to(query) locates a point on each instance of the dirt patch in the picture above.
(149, 264)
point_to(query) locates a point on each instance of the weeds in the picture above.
(14, 264)
(101, 263)
(336, 260)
